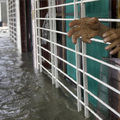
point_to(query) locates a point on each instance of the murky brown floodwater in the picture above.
(27, 96)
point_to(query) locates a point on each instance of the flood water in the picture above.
(25, 95)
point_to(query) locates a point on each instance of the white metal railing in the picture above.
(14, 22)
(80, 56)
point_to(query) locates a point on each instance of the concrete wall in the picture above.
(4, 12)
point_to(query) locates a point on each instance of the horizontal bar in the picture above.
(66, 4)
(96, 79)
(59, 58)
(98, 40)
(60, 70)
(110, 108)
(109, 20)
(90, 57)
(94, 113)
(62, 19)
(102, 62)
(71, 19)
(67, 89)
(72, 93)
(103, 83)
(107, 106)
(52, 30)
(60, 83)
(87, 91)
(64, 33)
(98, 99)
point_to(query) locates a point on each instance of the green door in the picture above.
(93, 9)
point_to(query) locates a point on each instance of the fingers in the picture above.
(108, 33)
(74, 22)
(110, 36)
(73, 31)
(82, 21)
(115, 50)
(75, 37)
(86, 40)
(74, 41)
(112, 45)
(83, 27)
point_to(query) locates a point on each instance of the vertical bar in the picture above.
(77, 48)
(33, 3)
(39, 34)
(18, 28)
(37, 14)
(51, 39)
(35, 44)
(55, 46)
(85, 81)
(63, 37)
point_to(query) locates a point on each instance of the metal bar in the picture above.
(66, 4)
(33, 3)
(71, 19)
(54, 57)
(87, 56)
(77, 48)
(109, 20)
(36, 51)
(18, 27)
(51, 39)
(63, 36)
(55, 47)
(97, 116)
(84, 62)
(61, 71)
(86, 90)
(61, 83)
(81, 54)
(94, 78)
(39, 34)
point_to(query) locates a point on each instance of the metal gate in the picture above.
(14, 22)
(80, 55)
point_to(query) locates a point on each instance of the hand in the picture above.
(85, 27)
(112, 36)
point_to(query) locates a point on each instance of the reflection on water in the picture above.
(27, 96)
